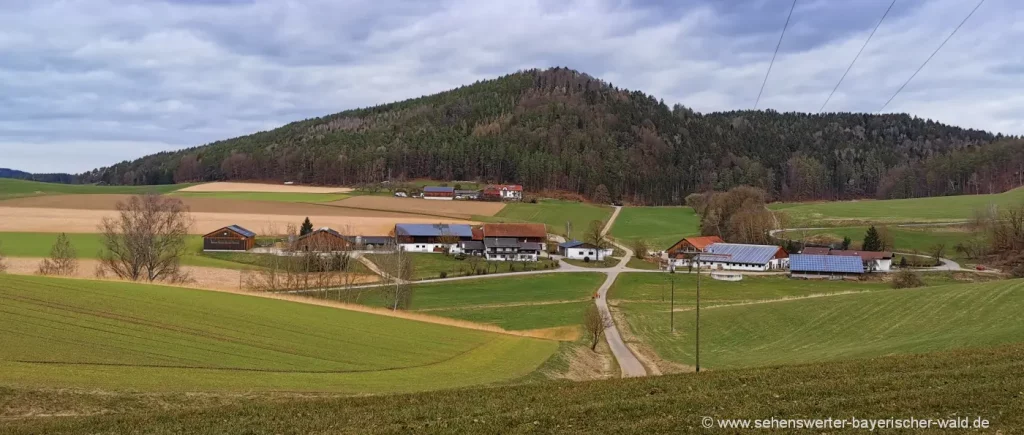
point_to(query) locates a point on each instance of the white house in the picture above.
(432, 237)
(507, 192)
(578, 250)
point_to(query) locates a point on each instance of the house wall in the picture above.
(505, 256)
(593, 254)
(428, 247)
(226, 244)
(445, 198)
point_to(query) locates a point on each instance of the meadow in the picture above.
(971, 383)
(11, 188)
(906, 239)
(432, 266)
(62, 333)
(914, 210)
(554, 214)
(661, 227)
(771, 324)
(511, 302)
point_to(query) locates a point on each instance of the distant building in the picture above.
(504, 192)
(432, 237)
(229, 238)
(578, 250)
(873, 261)
(831, 266)
(738, 256)
(437, 192)
(691, 245)
(467, 194)
(323, 240)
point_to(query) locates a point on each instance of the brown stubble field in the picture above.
(222, 186)
(83, 213)
(453, 209)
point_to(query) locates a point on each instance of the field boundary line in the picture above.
(510, 304)
(770, 301)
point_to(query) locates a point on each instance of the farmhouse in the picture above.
(524, 233)
(504, 192)
(511, 249)
(738, 256)
(873, 261)
(229, 238)
(323, 240)
(436, 192)
(578, 250)
(691, 245)
(506, 242)
(820, 266)
(432, 237)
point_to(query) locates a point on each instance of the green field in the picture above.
(606, 263)
(10, 188)
(661, 227)
(741, 332)
(972, 383)
(88, 246)
(554, 214)
(62, 333)
(906, 239)
(430, 266)
(935, 209)
(525, 302)
(267, 196)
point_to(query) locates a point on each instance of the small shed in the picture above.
(229, 238)
(578, 250)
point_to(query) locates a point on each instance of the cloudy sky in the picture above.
(87, 83)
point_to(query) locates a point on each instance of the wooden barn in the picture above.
(323, 240)
(230, 238)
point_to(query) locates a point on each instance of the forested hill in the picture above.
(561, 129)
(49, 178)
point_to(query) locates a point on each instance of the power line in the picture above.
(930, 57)
(776, 53)
(857, 56)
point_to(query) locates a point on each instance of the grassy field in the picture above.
(607, 262)
(526, 302)
(983, 383)
(116, 336)
(659, 226)
(10, 188)
(907, 239)
(89, 244)
(936, 209)
(754, 324)
(267, 196)
(430, 266)
(554, 214)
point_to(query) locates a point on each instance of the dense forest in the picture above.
(564, 130)
(48, 178)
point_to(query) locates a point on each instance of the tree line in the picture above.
(564, 130)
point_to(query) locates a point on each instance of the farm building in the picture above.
(432, 237)
(835, 266)
(370, 242)
(467, 194)
(229, 238)
(504, 192)
(873, 261)
(690, 245)
(436, 192)
(523, 233)
(472, 247)
(738, 256)
(323, 240)
(511, 249)
(578, 250)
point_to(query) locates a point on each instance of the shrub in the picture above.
(443, 274)
(906, 279)
(1018, 272)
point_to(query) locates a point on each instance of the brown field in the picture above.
(259, 187)
(453, 209)
(83, 213)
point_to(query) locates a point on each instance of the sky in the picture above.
(89, 83)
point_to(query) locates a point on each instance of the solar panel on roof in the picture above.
(825, 263)
(242, 231)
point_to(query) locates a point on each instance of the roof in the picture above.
(701, 242)
(740, 253)
(529, 246)
(478, 232)
(864, 255)
(570, 244)
(576, 244)
(323, 230)
(502, 242)
(816, 250)
(514, 187)
(475, 245)
(825, 263)
(438, 189)
(433, 230)
(233, 228)
(515, 230)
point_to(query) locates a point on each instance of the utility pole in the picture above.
(672, 307)
(697, 365)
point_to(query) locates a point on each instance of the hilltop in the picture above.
(565, 130)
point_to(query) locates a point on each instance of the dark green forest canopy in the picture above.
(564, 130)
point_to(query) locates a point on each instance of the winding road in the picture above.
(629, 364)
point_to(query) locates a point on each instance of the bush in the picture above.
(1018, 272)
(907, 279)
(443, 274)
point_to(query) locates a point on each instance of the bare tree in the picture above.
(473, 261)
(447, 238)
(398, 270)
(595, 234)
(938, 250)
(640, 248)
(594, 324)
(886, 239)
(63, 258)
(147, 240)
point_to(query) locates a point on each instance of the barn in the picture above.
(435, 192)
(323, 240)
(229, 238)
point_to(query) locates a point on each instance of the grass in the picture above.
(856, 325)
(11, 188)
(88, 246)
(982, 383)
(607, 262)
(267, 196)
(554, 214)
(527, 302)
(430, 266)
(934, 209)
(906, 239)
(62, 333)
(659, 226)
(637, 263)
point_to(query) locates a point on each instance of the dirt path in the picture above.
(629, 364)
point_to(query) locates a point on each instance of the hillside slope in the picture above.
(561, 129)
